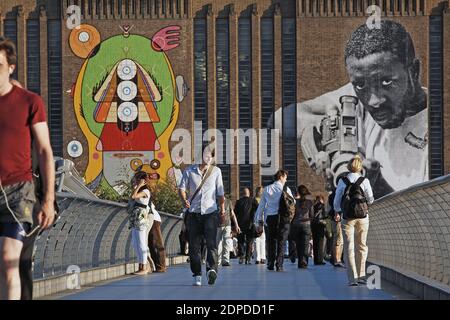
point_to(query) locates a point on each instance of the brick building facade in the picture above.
(236, 63)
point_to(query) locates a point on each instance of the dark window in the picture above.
(289, 96)
(33, 56)
(267, 86)
(11, 33)
(200, 77)
(177, 6)
(119, 6)
(55, 113)
(245, 98)
(223, 92)
(436, 147)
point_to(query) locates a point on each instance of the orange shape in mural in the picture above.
(83, 40)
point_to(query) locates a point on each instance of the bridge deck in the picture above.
(238, 282)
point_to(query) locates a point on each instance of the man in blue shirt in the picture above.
(204, 215)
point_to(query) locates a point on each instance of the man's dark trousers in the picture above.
(318, 235)
(277, 237)
(202, 227)
(302, 233)
(245, 243)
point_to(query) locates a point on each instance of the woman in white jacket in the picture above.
(140, 220)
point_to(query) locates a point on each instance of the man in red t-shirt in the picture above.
(22, 122)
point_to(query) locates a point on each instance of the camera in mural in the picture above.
(329, 146)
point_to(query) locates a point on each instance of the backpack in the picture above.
(286, 209)
(354, 204)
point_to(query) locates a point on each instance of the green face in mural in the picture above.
(137, 49)
(126, 101)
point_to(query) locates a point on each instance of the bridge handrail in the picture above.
(410, 231)
(93, 233)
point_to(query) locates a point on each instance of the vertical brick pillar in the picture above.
(43, 54)
(234, 102)
(21, 46)
(122, 11)
(256, 82)
(446, 87)
(211, 65)
(94, 10)
(302, 166)
(278, 80)
(1, 22)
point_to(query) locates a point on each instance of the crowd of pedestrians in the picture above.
(264, 229)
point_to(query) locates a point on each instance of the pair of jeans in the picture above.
(245, 244)
(277, 236)
(302, 234)
(356, 250)
(202, 228)
(224, 243)
(156, 246)
(318, 235)
(139, 239)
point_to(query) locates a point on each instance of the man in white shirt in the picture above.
(392, 113)
(267, 213)
(204, 215)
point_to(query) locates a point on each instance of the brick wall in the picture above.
(322, 32)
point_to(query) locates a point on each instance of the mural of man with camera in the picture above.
(381, 114)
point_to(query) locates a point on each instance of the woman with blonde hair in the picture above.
(353, 194)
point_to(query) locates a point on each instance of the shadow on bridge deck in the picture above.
(238, 282)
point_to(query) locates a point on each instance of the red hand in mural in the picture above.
(166, 39)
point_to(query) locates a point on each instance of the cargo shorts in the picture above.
(21, 199)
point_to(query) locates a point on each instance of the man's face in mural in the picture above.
(384, 86)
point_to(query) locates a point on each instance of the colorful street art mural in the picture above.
(126, 100)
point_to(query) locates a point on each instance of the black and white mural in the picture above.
(381, 113)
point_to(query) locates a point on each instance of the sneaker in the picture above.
(280, 269)
(225, 264)
(362, 281)
(241, 260)
(257, 262)
(339, 265)
(353, 284)
(270, 267)
(197, 281)
(212, 276)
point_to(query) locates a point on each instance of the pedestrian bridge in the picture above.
(409, 240)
